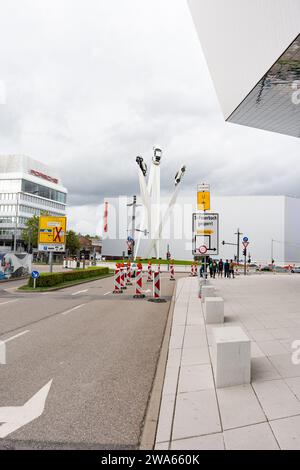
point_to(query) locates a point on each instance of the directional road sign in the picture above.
(245, 239)
(205, 233)
(52, 233)
(245, 244)
(35, 274)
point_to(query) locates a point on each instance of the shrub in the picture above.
(54, 279)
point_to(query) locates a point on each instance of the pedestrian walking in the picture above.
(220, 268)
(226, 268)
(211, 268)
(214, 269)
(231, 269)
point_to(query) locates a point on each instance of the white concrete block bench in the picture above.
(202, 282)
(231, 356)
(214, 310)
(207, 291)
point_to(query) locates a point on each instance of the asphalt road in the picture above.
(100, 350)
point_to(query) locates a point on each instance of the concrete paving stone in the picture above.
(276, 399)
(194, 378)
(209, 442)
(280, 333)
(262, 369)
(162, 446)
(176, 339)
(261, 335)
(193, 356)
(255, 437)
(174, 358)
(255, 350)
(165, 418)
(171, 380)
(253, 324)
(287, 432)
(196, 414)
(243, 399)
(195, 337)
(294, 384)
(284, 365)
(271, 348)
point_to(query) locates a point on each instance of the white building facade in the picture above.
(271, 223)
(27, 188)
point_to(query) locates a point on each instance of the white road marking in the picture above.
(15, 337)
(107, 293)
(80, 292)
(147, 291)
(72, 309)
(14, 417)
(9, 302)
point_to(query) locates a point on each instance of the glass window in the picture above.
(43, 191)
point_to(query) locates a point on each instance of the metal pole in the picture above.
(272, 251)
(51, 261)
(238, 245)
(16, 223)
(245, 262)
(34, 283)
(168, 251)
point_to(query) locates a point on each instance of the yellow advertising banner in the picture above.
(52, 233)
(203, 200)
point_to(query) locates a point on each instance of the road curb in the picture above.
(83, 281)
(152, 413)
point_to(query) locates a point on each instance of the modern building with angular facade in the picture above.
(252, 48)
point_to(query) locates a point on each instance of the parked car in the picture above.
(296, 270)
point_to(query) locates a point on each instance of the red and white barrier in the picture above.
(123, 282)
(156, 289)
(172, 272)
(195, 270)
(117, 282)
(139, 285)
(149, 279)
(128, 275)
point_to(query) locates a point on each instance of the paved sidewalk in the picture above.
(263, 415)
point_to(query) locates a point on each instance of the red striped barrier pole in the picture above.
(149, 273)
(128, 277)
(139, 285)
(117, 282)
(156, 289)
(123, 286)
(195, 270)
(172, 272)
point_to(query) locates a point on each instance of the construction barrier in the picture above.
(149, 279)
(128, 275)
(139, 285)
(156, 289)
(172, 272)
(117, 282)
(123, 282)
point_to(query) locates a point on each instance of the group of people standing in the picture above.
(219, 268)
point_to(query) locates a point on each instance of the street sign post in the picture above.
(245, 245)
(52, 234)
(35, 275)
(205, 234)
(203, 197)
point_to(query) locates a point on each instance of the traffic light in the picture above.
(245, 252)
(223, 242)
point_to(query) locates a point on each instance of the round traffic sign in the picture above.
(245, 239)
(202, 250)
(35, 274)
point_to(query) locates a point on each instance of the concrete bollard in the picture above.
(207, 291)
(231, 357)
(214, 310)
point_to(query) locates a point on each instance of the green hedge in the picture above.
(54, 279)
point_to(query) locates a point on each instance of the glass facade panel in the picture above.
(43, 191)
(274, 103)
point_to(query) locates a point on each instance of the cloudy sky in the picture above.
(87, 85)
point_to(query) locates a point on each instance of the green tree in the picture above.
(73, 242)
(30, 233)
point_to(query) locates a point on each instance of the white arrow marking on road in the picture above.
(147, 291)
(80, 292)
(15, 417)
(107, 293)
(72, 309)
(16, 336)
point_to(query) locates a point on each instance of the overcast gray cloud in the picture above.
(91, 84)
